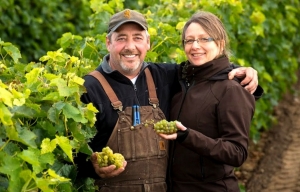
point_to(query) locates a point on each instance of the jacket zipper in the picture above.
(136, 97)
(186, 88)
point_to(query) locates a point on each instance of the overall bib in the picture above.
(145, 152)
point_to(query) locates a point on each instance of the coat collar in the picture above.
(203, 72)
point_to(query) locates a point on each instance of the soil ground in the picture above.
(273, 164)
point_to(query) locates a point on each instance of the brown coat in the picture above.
(218, 114)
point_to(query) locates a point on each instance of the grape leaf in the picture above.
(31, 156)
(74, 113)
(64, 144)
(10, 165)
(5, 115)
(6, 97)
(47, 146)
(13, 51)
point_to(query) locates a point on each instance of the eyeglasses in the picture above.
(199, 40)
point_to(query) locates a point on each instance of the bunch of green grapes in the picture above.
(166, 127)
(107, 157)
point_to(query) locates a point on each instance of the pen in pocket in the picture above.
(138, 120)
(135, 115)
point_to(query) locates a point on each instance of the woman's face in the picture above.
(201, 51)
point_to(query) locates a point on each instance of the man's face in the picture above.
(128, 46)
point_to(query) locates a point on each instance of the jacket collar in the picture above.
(205, 71)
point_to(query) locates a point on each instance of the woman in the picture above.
(215, 113)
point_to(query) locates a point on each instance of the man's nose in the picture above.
(130, 44)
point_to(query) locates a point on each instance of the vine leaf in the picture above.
(64, 144)
(10, 165)
(13, 51)
(47, 146)
(73, 113)
(21, 135)
(5, 115)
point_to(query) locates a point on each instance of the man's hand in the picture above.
(249, 76)
(106, 172)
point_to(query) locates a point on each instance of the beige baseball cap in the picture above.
(126, 16)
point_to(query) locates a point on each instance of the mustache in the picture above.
(129, 52)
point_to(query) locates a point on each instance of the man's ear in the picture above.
(148, 43)
(107, 42)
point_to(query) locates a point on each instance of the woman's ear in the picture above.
(222, 47)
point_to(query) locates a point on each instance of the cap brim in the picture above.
(127, 21)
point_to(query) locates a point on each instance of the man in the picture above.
(126, 82)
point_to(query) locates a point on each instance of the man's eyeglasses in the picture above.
(199, 40)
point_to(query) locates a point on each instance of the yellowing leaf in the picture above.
(27, 93)
(73, 59)
(259, 30)
(19, 102)
(77, 80)
(5, 115)
(51, 76)
(241, 62)
(16, 94)
(56, 177)
(32, 76)
(6, 97)
(257, 17)
(180, 25)
(48, 146)
(92, 108)
(152, 31)
(64, 144)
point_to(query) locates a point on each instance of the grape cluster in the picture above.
(166, 127)
(107, 157)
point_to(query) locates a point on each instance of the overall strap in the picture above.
(153, 100)
(115, 102)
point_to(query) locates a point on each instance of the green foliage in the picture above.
(34, 26)
(43, 124)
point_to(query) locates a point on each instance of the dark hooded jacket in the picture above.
(218, 114)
